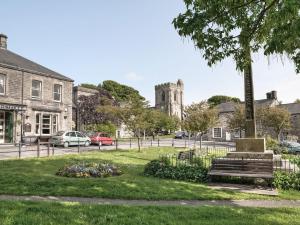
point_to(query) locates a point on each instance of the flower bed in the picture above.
(89, 170)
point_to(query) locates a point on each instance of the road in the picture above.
(26, 151)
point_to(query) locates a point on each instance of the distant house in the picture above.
(222, 132)
(34, 100)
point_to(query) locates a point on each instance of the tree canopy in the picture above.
(218, 99)
(121, 92)
(233, 28)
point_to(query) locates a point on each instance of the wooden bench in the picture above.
(249, 168)
(183, 155)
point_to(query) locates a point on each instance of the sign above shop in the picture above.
(12, 107)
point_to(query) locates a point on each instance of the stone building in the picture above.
(221, 132)
(169, 98)
(34, 100)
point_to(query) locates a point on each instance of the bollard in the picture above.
(151, 143)
(158, 142)
(78, 146)
(116, 144)
(184, 143)
(38, 148)
(130, 143)
(172, 142)
(20, 146)
(48, 149)
(52, 149)
(99, 145)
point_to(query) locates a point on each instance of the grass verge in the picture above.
(37, 177)
(45, 213)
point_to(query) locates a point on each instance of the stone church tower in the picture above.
(169, 98)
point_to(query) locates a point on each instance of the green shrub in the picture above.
(287, 181)
(273, 144)
(164, 169)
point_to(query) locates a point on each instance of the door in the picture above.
(2, 127)
(228, 136)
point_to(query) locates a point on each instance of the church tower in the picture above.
(169, 98)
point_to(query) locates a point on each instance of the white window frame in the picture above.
(221, 132)
(53, 125)
(40, 90)
(60, 92)
(4, 83)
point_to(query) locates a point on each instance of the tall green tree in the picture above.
(121, 92)
(218, 99)
(236, 120)
(199, 118)
(238, 28)
(275, 119)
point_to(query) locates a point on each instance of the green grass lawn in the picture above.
(45, 213)
(37, 177)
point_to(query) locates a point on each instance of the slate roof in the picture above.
(293, 108)
(227, 107)
(11, 60)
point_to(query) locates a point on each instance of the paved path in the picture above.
(103, 201)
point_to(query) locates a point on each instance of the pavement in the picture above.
(104, 201)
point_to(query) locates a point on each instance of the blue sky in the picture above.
(132, 42)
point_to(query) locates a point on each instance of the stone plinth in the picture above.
(250, 145)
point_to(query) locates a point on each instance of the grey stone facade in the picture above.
(226, 109)
(169, 97)
(38, 100)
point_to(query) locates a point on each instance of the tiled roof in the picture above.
(293, 108)
(14, 61)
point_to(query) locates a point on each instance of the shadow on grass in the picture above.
(37, 177)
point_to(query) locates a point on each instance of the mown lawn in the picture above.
(37, 177)
(45, 213)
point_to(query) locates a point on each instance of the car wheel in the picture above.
(66, 144)
(87, 144)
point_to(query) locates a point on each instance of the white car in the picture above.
(70, 138)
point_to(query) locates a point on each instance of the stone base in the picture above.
(250, 145)
(250, 155)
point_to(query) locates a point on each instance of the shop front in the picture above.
(10, 121)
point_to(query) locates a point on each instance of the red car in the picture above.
(100, 138)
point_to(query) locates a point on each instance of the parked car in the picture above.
(292, 147)
(70, 138)
(101, 138)
(88, 133)
(181, 135)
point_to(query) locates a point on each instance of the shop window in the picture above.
(217, 132)
(38, 123)
(36, 90)
(57, 90)
(2, 84)
(46, 124)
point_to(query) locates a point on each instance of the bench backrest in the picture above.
(249, 165)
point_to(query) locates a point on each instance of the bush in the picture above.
(164, 169)
(287, 181)
(273, 144)
(89, 170)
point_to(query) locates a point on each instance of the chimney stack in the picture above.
(272, 95)
(3, 41)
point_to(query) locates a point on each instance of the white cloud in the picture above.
(133, 76)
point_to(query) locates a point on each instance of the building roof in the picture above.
(227, 107)
(293, 108)
(13, 61)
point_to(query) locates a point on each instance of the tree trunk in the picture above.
(139, 144)
(250, 131)
(200, 141)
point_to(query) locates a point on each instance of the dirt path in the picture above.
(103, 201)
